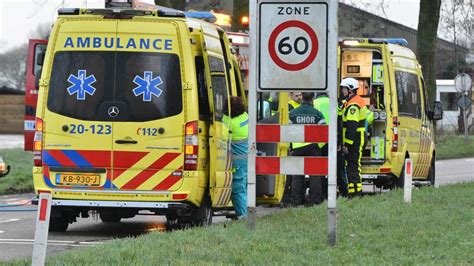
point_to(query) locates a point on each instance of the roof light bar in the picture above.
(68, 11)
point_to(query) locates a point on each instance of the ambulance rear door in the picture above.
(77, 133)
(149, 120)
(220, 182)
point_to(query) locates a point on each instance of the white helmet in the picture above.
(350, 83)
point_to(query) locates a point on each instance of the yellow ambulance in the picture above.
(130, 117)
(392, 85)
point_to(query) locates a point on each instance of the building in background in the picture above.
(354, 22)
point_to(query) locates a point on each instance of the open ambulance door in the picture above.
(270, 188)
(34, 65)
(220, 160)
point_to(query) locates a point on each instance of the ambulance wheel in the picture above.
(58, 224)
(202, 216)
(110, 217)
(432, 173)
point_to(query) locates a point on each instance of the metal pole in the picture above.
(332, 145)
(464, 113)
(252, 105)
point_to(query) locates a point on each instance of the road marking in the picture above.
(469, 160)
(9, 220)
(1, 232)
(50, 242)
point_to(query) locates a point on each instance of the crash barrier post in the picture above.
(408, 181)
(41, 231)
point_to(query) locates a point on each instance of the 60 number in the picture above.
(285, 47)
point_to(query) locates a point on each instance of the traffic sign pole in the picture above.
(463, 83)
(252, 106)
(293, 47)
(332, 145)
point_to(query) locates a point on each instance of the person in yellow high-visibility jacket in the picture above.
(354, 116)
(295, 100)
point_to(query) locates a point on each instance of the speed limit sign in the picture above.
(293, 46)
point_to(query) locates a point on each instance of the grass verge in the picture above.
(20, 179)
(435, 229)
(454, 146)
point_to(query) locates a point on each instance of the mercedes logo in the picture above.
(113, 111)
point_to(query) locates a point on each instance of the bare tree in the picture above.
(456, 21)
(42, 31)
(376, 7)
(428, 19)
(12, 72)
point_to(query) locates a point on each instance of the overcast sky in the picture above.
(18, 18)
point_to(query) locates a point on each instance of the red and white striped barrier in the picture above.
(292, 133)
(274, 165)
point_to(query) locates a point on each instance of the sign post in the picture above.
(293, 47)
(463, 84)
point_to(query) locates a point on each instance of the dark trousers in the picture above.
(353, 167)
(298, 184)
(341, 174)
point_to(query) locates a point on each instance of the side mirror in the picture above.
(37, 77)
(40, 58)
(437, 113)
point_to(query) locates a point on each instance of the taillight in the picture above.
(38, 143)
(395, 134)
(191, 145)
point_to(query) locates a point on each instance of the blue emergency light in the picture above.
(399, 41)
(199, 15)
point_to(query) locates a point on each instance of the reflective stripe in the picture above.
(361, 129)
(239, 157)
(244, 123)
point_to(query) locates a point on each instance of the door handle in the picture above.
(126, 141)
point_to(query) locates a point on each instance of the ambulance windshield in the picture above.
(144, 86)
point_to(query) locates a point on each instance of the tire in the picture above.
(110, 217)
(432, 173)
(202, 216)
(58, 224)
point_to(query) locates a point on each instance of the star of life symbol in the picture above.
(81, 84)
(147, 86)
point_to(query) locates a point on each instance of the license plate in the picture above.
(369, 176)
(78, 179)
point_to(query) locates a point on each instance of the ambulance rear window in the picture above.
(144, 86)
(150, 84)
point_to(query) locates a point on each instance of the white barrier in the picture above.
(41, 231)
(408, 181)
